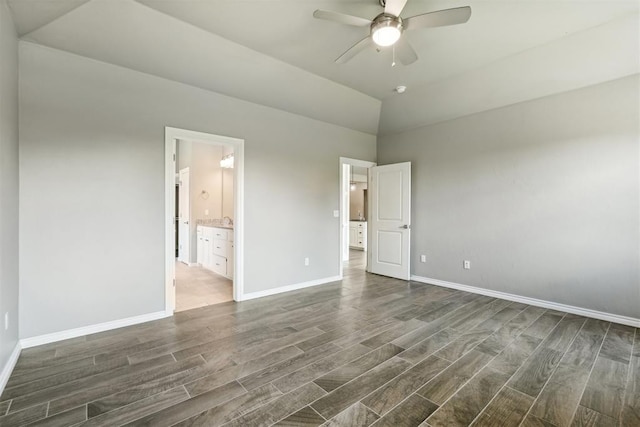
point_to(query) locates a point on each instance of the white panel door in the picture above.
(184, 232)
(390, 220)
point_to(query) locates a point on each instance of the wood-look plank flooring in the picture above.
(367, 350)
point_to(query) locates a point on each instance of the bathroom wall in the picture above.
(357, 209)
(227, 187)
(209, 184)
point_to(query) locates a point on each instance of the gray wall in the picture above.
(8, 183)
(92, 178)
(541, 196)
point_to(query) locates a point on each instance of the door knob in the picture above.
(406, 227)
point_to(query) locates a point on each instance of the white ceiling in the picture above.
(259, 50)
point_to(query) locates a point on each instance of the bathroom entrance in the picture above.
(206, 224)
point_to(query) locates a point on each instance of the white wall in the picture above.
(92, 208)
(542, 197)
(8, 183)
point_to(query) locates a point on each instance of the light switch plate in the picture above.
(336, 214)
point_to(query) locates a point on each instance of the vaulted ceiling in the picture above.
(275, 53)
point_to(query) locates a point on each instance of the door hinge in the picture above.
(174, 157)
(174, 283)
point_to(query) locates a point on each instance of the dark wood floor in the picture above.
(366, 350)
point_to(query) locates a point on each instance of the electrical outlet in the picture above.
(306, 261)
(6, 321)
(466, 265)
(336, 214)
(423, 258)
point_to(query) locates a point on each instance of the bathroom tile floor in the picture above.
(198, 287)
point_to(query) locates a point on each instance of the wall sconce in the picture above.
(227, 161)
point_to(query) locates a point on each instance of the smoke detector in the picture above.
(400, 89)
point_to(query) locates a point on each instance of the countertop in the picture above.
(227, 227)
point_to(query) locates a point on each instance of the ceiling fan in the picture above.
(386, 29)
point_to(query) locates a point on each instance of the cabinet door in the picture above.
(206, 253)
(353, 236)
(199, 253)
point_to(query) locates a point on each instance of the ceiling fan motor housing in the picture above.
(386, 23)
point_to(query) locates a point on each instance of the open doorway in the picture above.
(205, 203)
(354, 213)
(205, 187)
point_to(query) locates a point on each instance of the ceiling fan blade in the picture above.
(341, 18)
(405, 52)
(354, 50)
(457, 15)
(394, 7)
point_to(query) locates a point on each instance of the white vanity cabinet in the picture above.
(358, 235)
(215, 249)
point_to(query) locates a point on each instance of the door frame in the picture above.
(171, 135)
(345, 209)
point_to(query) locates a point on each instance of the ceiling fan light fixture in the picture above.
(386, 29)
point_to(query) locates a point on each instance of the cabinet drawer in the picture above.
(220, 247)
(219, 234)
(219, 265)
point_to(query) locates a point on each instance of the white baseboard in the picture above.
(91, 329)
(8, 367)
(616, 318)
(288, 288)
